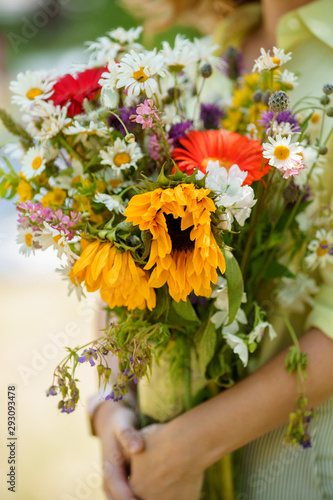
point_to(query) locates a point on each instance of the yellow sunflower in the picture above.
(183, 250)
(120, 280)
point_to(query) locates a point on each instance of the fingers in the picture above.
(130, 440)
(116, 486)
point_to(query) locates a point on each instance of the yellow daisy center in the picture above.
(28, 239)
(121, 158)
(323, 248)
(281, 152)
(37, 163)
(56, 240)
(140, 75)
(276, 61)
(222, 162)
(33, 93)
(315, 118)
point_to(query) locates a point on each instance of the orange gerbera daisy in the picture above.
(228, 148)
(184, 252)
(120, 280)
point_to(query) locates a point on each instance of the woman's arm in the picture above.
(184, 448)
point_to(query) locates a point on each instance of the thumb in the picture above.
(131, 440)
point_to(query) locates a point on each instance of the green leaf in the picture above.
(207, 346)
(277, 270)
(235, 282)
(185, 310)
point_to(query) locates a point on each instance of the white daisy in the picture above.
(321, 250)
(287, 78)
(122, 36)
(251, 131)
(282, 128)
(93, 128)
(204, 51)
(266, 61)
(25, 238)
(33, 162)
(51, 237)
(313, 163)
(31, 87)
(283, 155)
(112, 203)
(73, 282)
(137, 72)
(54, 121)
(181, 56)
(102, 51)
(295, 293)
(121, 155)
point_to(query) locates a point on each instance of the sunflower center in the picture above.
(281, 152)
(121, 158)
(33, 93)
(180, 239)
(28, 239)
(323, 248)
(140, 75)
(222, 162)
(37, 163)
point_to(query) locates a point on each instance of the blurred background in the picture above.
(56, 457)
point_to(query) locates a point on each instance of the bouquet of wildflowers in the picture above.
(182, 206)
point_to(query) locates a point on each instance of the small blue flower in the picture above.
(51, 391)
(88, 355)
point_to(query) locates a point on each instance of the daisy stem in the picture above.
(120, 120)
(70, 150)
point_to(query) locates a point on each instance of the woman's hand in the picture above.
(164, 470)
(115, 425)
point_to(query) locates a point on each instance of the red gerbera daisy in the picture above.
(228, 148)
(74, 90)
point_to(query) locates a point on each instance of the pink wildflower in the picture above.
(145, 114)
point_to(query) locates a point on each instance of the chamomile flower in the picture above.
(121, 155)
(137, 73)
(204, 52)
(287, 78)
(51, 237)
(283, 155)
(321, 250)
(123, 37)
(93, 128)
(102, 51)
(31, 87)
(33, 162)
(26, 239)
(72, 281)
(55, 120)
(294, 293)
(266, 61)
(181, 56)
(252, 131)
(112, 203)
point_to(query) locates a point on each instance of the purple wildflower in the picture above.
(195, 299)
(124, 114)
(211, 115)
(115, 395)
(88, 355)
(306, 441)
(156, 147)
(283, 117)
(178, 131)
(233, 63)
(51, 391)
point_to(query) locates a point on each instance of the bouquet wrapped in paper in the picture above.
(180, 205)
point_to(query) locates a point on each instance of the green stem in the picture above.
(71, 151)
(186, 375)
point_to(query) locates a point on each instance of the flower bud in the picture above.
(130, 138)
(328, 88)
(265, 97)
(279, 101)
(322, 150)
(100, 370)
(206, 70)
(329, 112)
(324, 100)
(257, 96)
